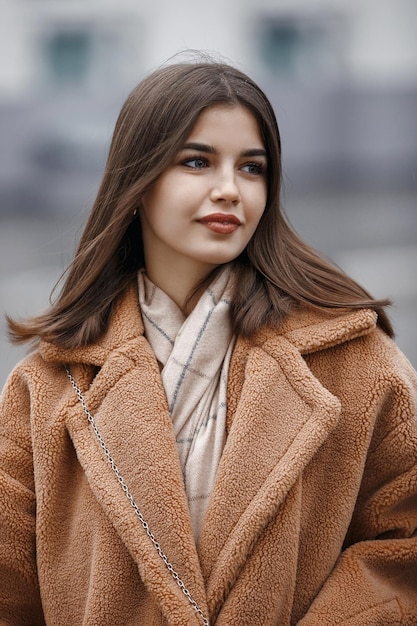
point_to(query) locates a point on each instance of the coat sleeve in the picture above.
(20, 602)
(374, 581)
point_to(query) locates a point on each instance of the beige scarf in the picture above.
(195, 353)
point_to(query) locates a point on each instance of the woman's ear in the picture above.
(137, 209)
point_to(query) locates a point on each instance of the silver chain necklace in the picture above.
(133, 504)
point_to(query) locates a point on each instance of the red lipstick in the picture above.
(221, 223)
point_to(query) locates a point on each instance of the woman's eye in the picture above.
(196, 163)
(254, 168)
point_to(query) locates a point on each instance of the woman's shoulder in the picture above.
(29, 375)
(341, 341)
(312, 329)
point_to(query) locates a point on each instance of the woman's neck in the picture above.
(179, 283)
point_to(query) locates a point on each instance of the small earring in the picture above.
(135, 212)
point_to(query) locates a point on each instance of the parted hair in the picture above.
(277, 270)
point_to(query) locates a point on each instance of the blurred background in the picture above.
(342, 77)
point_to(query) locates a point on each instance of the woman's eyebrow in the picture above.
(203, 147)
(200, 147)
(255, 152)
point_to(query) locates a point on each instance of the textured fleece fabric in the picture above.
(313, 516)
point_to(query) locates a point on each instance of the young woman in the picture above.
(215, 426)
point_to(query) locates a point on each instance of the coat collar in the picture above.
(307, 329)
(279, 415)
(126, 326)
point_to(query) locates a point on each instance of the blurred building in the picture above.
(343, 78)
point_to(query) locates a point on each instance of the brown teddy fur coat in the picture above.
(313, 516)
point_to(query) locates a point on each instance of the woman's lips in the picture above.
(221, 223)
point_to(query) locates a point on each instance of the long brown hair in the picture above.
(277, 269)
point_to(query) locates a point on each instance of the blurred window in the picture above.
(85, 53)
(301, 47)
(68, 56)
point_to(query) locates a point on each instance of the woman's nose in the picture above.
(225, 188)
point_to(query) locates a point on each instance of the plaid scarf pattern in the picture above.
(194, 353)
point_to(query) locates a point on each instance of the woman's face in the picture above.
(205, 207)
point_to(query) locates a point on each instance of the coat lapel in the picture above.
(129, 407)
(281, 418)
